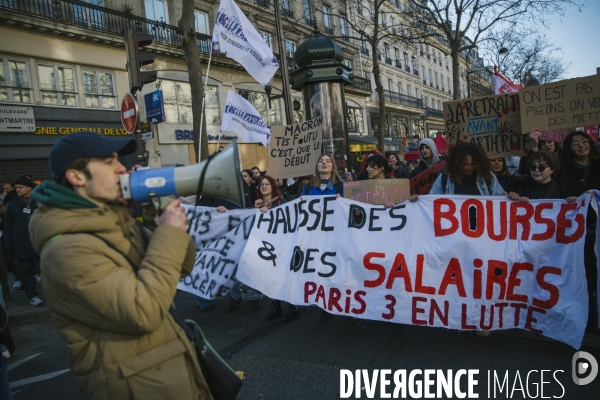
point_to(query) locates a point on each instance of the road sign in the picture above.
(147, 135)
(155, 107)
(129, 113)
(16, 119)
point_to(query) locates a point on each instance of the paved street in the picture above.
(302, 360)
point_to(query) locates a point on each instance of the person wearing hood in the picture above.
(16, 236)
(429, 157)
(109, 287)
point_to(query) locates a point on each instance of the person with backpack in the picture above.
(429, 156)
(467, 172)
(270, 196)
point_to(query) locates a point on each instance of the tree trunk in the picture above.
(457, 93)
(187, 24)
(381, 101)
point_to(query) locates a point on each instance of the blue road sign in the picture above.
(155, 107)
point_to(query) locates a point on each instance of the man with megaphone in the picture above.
(108, 292)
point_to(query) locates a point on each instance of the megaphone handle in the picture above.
(161, 202)
(201, 180)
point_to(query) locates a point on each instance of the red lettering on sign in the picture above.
(550, 225)
(416, 310)
(374, 267)
(552, 289)
(453, 276)
(492, 277)
(399, 270)
(517, 219)
(564, 223)
(480, 218)
(514, 281)
(419, 287)
(448, 215)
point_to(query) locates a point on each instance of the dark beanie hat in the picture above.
(24, 180)
(85, 144)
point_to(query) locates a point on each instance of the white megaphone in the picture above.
(218, 176)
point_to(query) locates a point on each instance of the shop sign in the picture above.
(155, 107)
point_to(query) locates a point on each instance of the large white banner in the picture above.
(482, 263)
(241, 118)
(235, 35)
(220, 239)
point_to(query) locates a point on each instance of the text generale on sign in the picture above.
(65, 130)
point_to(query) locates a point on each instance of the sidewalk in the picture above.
(18, 309)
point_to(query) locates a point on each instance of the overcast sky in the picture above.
(578, 35)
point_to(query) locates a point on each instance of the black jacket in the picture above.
(16, 227)
(527, 187)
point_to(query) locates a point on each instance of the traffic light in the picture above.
(137, 58)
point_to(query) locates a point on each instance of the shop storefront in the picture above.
(29, 152)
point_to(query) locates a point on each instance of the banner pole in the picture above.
(204, 95)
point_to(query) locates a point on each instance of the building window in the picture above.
(358, 7)
(57, 84)
(178, 103)
(156, 10)
(439, 105)
(430, 78)
(382, 19)
(326, 22)
(14, 81)
(355, 120)
(408, 90)
(271, 116)
(348, 63)
(290, 48)
(399, 87)
(343, 30)
(266, 37)
(426, 101)
(390, 85)
(437, 85)
(99, 89)
(307, 13)
(202, 23)
(87, 16)
(417, 93)
(449, 87)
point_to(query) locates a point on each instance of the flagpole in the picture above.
(204, 98)
(285, 82)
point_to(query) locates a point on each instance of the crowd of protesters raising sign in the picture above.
(549, 171)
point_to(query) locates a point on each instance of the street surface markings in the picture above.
(17, 363)
(38, 378)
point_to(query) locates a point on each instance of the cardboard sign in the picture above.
(561, 105)
(492, 122)
(295, 149)
(378, 191)
(422, 183)
(558, 135)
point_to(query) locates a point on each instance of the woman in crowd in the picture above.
(326, 179)
(247, 177)
(540, 183)
(538, 145)
(580, 172)
(396, 165)
(429, 157)
(363, 170)
(500, 169)
(348, 177)
(269, 196)
(467, 172)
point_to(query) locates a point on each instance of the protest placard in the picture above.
(422, 183)
(295, 149)
(561, 105)
(557, 135)
(220, 239)
(428, 262)
(492, 122)
(378, 191)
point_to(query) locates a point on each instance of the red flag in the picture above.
(404, 144)
(502, 84)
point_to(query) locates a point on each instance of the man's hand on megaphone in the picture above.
(173, 215)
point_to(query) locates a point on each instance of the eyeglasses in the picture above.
(581, 142)
(540, 168)
(265, 184)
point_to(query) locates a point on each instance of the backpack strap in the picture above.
(444, 180)
(339, 188)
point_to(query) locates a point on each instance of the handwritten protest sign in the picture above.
(492, 122)
(378, 191)
(422, 183)
(557, 135)
(428, 263)
(220, 239)
(295, 149)
(561, 105)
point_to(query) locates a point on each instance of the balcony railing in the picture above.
(345, 38)
(403, 99)
(287, 13)
(364, 51)
(378, 57)
(328, 30)
(432, 112)
(416, 71)
(291, 63)
(406, 68)
(361, 83)
(262, 3)
(101, 19)
(398, 64)
(388, 60)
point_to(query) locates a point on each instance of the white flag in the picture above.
(234, 35)
(241, 118)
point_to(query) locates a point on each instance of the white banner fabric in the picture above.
(481, 263)
(235, 35)
(220, 239)
(241, 118)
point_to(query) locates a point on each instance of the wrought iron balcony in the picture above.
(406, 100)
(361, 83)
(432, 112)
(287, 13)
(364, 51)
(101, 19)
(345, 38)
(406, 68)
(416, 71)
(262, 3)
(388, 60)
(328, 30)
(398, 64)
(378, 57)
